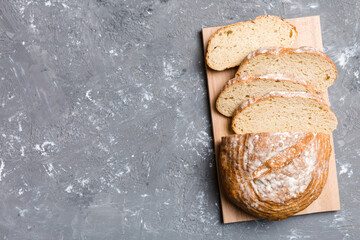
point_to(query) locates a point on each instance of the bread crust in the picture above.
(246, 79)
(254, 100)
(281, 51)
(241, 23)
(274, 175)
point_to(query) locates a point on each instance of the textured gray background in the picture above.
(105, 126)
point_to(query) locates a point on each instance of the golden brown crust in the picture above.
(241, 23)
(254, 100)
(246, 79)
(274, 175)
(280, 51)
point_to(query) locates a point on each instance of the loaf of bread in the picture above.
(305, 62)
(284, 112)
(232, 43)
(244, 87)
(274, 175)
(277, 164)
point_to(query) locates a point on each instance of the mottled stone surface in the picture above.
(105, 125)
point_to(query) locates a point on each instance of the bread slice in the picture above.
(284, 112)
(244, 87)
(232, 43)
(305, 62)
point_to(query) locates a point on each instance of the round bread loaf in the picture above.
(274, 175)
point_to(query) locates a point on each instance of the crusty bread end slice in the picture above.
(284, 112)
(244, 87)
(231, 44)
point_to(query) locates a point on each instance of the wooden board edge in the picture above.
(216, 152)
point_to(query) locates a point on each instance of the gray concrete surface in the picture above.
(105, 126)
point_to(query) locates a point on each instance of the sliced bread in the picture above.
(305, 62)
(284, 112)
(232, 43)
(247, 86)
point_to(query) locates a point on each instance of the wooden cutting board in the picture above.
(309, 35)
